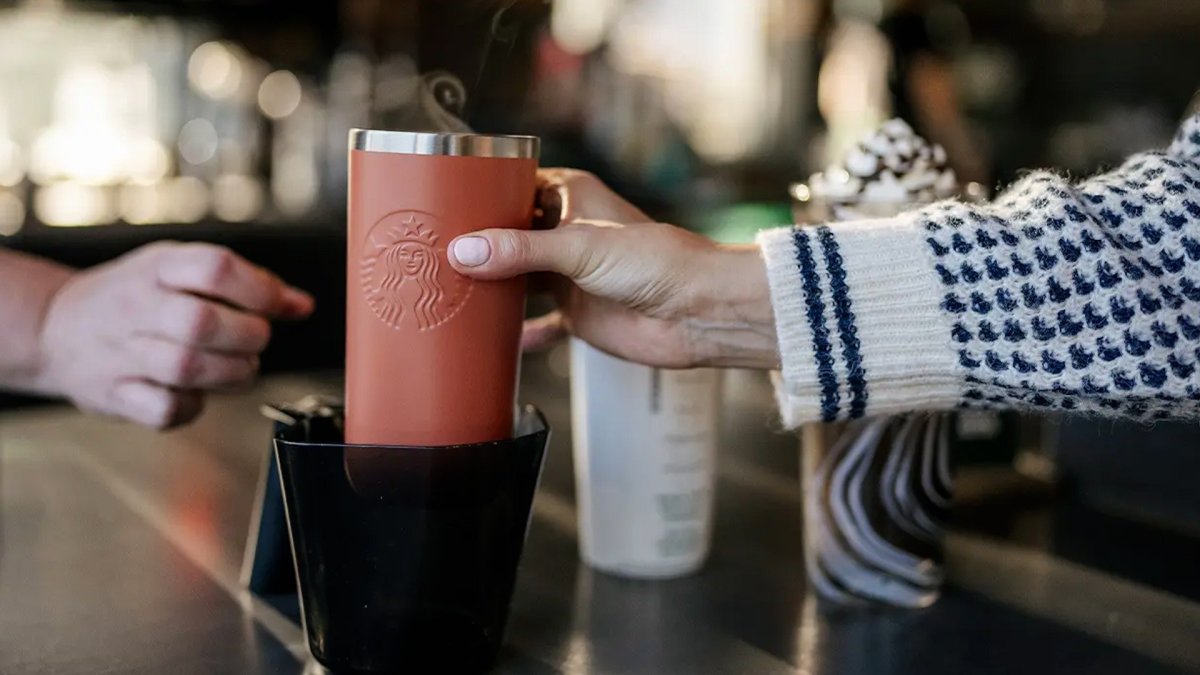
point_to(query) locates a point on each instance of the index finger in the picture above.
(218, 273)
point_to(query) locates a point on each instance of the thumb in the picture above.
(502, 254)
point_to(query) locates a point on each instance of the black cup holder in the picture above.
(406, 556)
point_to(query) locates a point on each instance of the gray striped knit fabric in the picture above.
(1057, 295)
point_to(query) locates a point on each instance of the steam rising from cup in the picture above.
(440, 101)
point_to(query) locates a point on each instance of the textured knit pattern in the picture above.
(1082, 297)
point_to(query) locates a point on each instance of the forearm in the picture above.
(732, 323)
(1056, 296)
(27, 286)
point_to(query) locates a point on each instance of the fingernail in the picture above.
(472, 251)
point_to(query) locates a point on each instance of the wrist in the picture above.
(41, 374)
(731, 323)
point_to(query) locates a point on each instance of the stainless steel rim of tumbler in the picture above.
(453, 145)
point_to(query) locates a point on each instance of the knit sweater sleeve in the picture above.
(1057, 295)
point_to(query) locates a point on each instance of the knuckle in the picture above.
(515, 247)
(259, 332)
(185, 366)
(202, 323)
(217, 265)
(583, 251)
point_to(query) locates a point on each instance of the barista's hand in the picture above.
(644, 291)
(143, 337)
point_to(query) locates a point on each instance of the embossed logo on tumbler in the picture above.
(431, 356)
(405, 276)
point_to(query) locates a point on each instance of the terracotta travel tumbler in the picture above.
(431, 356)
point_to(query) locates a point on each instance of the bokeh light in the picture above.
(215, 70)
(198, 141)
(73, 205)
(12, 214)
(237, 198)
(580, 26)
(187, 199)
(294, 184)
(12, 168)
(88, 156)
(279, 94)
(147, 161)
(143, 204)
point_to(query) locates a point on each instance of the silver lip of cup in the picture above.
(446, 144)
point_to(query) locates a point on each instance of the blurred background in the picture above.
(122, 122)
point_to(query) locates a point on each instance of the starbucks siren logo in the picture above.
(405, 275)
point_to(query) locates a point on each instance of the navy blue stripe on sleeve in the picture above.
(848, 331)
(822, 347)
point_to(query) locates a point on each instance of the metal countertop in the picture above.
(120, 552)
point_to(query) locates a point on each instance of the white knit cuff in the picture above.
(860, 328)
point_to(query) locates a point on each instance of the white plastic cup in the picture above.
(645, 442)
